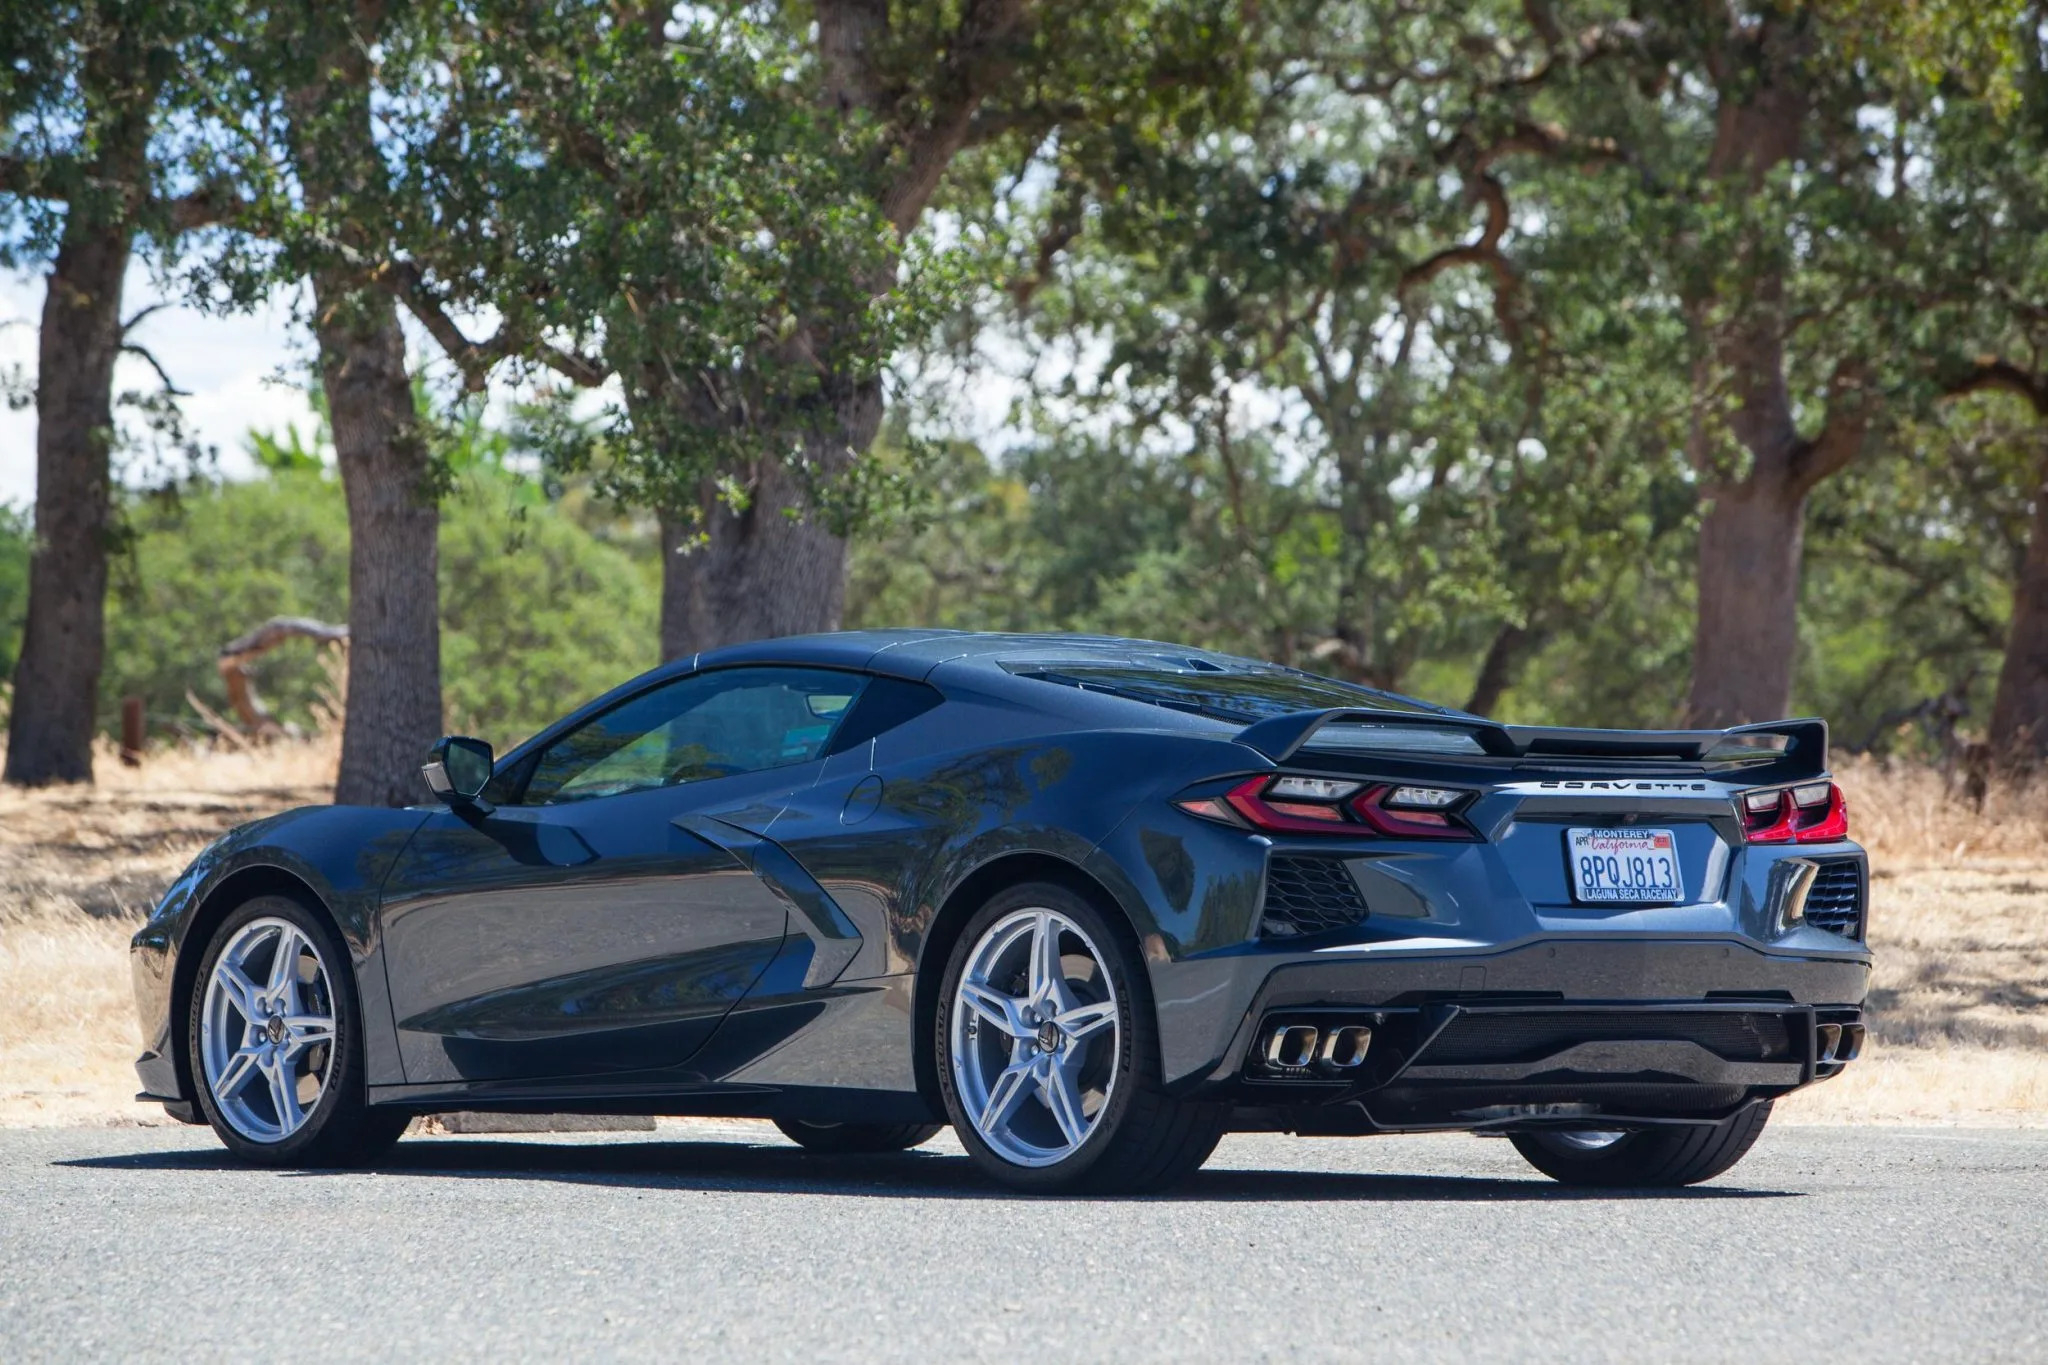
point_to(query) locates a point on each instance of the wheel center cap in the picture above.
(276, 1029)
(1049, 1037)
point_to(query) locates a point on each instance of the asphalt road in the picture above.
(722, 1243)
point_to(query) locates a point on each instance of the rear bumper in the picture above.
(1649, 1028)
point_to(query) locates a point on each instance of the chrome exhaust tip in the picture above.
(1291, 1045)
(1851, 1046)
(1345, 1048)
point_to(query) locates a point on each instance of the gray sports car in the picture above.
(1094, 902)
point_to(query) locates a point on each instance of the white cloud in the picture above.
(229, 364)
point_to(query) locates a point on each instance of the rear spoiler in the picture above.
(1798, 747)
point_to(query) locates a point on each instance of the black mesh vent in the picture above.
(1307, 895)
(1835, 900)
(1483, 1039)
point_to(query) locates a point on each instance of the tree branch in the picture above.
(132, 348)
(208, 207)
(1475, 162)
(1851, 410)
(983, 50)
(1997, 374)
(476, 359)
(135, 319)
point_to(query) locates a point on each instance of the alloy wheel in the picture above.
(1034, 1037)
(1586, 1139)
(267, 1030)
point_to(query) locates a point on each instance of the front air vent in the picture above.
(1835, 900)
(1309, 895)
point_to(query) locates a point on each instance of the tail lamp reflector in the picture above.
(1422, 798)
(1296, 805)
(1311, 788)
(1815, 813)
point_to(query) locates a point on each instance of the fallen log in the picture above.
(237, 654)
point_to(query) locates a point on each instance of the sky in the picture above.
(245, 371)
(231, 366)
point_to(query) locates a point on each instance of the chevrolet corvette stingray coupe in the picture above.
(1093, 902)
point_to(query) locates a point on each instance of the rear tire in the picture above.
(846, 1139)
(1048, 1059)
(1651, 1158)
(274, 1041)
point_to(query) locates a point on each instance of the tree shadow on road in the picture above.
(740, 1167)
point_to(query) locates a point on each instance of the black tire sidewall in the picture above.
(332, 1132)
(1134, 1002)
(856, 1138)
(1655, 1158)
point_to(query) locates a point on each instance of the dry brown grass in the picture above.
(1959, 924)
(79, 867)
(1959, 929)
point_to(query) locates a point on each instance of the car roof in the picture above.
(915, 653)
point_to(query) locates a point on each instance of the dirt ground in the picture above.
(1959, 925)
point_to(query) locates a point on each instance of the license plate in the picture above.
(1633, 866)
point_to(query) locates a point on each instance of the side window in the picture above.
(735, 720)
(884, 704)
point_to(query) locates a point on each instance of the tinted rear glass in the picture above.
(1240, 696)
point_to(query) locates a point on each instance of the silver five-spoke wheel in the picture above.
(1034, 1037)
(266, 1032)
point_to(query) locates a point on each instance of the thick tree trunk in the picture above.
(394, 632)
(394, 628)
(1747, 631)
(1497, 669)
(2019, 709)
(1356, 628)
(760, 572)
(57, 678)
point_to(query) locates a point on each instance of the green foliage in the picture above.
(673, 216)
(1083, 536)
(1911, 561)
(1381, 337)
(15, 545)
(539, 610)
(538, 614)
(1908, 578)
(209, 564)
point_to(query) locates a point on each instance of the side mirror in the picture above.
(458, 768)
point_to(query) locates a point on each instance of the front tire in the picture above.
(1048, 1053)
(274, 1040)
(1651, 1158)
(848, 1139)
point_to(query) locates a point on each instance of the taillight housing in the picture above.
(1811, 813)
(1314, 805)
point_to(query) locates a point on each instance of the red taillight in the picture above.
(1298, 817)
(1412, 824)
(1831, 824)
(1364, 814)
(1814, 813)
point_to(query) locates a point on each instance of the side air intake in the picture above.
(1835, 900)
(1309, 895)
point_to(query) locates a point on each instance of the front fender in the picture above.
(336, 855)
